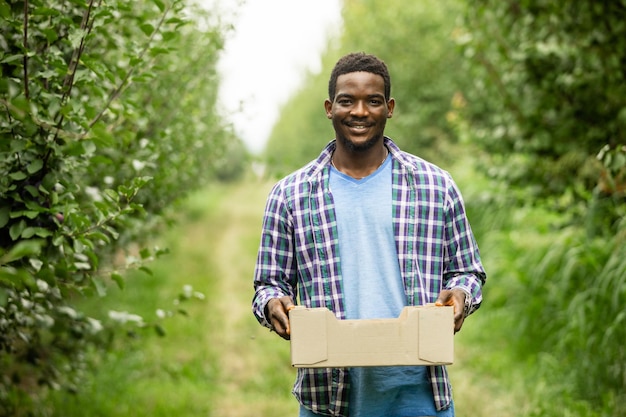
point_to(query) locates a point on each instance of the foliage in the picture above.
(555, 300)
(107, 118)
(548, 101)
(303, 129)
(217, 361)
(415, 41)
(547, 108)
(534, 91)
(580, 284)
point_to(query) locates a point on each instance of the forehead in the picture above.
(360, 81)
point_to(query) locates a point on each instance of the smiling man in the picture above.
(364, 230)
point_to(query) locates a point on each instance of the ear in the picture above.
(328, 106)
(391, 104)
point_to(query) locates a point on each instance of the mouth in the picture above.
(358, 127)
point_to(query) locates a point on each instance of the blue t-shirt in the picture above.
(371, 280)
(373, 288)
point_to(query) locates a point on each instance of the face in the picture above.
(359, 111)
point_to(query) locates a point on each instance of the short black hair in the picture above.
(359, 61)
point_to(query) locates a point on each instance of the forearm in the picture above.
(471, 284)
(262, 295)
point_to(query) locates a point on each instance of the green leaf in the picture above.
(114, 233)
(16, 229)
(58, 240)
(4, 215)
(79, 247)
(4, 295)
(169, 35)
(99, 286)
(145, 253)
(99, 236)
(31, 214)
(159, 330)
(159, 51)
(34, 166)
(112, 194)
(159, 4)
(51, 35)
(175, 21)
(5, 9)
(42, 232)
(89, 147)
(146, 270)
(119, 280)
(18, 278)
(32, 190)
(11, 58)
(76, 37)
(28, 232)
(21, 249)
(45, 11)
(147, 28)
(18, 176)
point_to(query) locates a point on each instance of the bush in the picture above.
(108, 118)
(547, 99)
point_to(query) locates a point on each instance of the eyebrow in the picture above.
(369, 96)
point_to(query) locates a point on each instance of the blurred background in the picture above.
(139, 141)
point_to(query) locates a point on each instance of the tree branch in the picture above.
(25, 45)
(124, 83)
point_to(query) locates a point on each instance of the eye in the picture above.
(344, 102)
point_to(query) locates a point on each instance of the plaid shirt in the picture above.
(299, 254)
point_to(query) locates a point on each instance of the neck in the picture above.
(357, 166)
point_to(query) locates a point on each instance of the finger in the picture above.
(449, 302)
(281, 326)
(287, 303)
(458, 323)
(445, 299)
(288, 327)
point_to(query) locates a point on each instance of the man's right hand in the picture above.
(277, 313)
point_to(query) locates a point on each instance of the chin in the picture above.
(360, 146)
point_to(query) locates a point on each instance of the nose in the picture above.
(360, 109)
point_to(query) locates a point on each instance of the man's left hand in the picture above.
(455, 298)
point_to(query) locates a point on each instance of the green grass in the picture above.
(215, 360)
(218, 361)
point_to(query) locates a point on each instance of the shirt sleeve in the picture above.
(464, 269)
(275, 273)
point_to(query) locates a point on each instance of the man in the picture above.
(365, 230)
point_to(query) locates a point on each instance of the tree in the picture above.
(415, 41)
(107, 118)
(548, 107)
(548, 101)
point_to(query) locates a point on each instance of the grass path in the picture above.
(254, 363)
(242, 364)
(218, 361)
